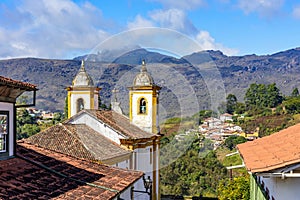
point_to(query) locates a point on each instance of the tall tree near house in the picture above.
(231, 102)
(273, 97)
(295, 92)
(260, 95)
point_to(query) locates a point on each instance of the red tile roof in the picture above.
(36, 173)
(79, 141)
(15, 83)
(272, 152)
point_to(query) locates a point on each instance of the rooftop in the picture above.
(79, 141)
(118, 122)
(14, 83)
(11, 89)
(272, 152)
(36, 173)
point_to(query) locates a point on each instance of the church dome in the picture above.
(143, 78)
(82, 78)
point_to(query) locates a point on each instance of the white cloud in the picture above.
(174, 19)
(206, 42)
(50, 29)
(263, 7)
(181, 4)
(296, 11)
(139, 22)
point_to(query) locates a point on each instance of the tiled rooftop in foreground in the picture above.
(36, 173)
(272, 152)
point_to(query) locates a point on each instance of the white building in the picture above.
(10, 90)
(108, 136)
(274, 165)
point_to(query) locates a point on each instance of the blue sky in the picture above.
(65, 29)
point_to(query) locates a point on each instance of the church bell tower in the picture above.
(143, 101)
(83, 94)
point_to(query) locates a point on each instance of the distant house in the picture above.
(47, 115)
(274, 164)
(226, 117)
(212, 122)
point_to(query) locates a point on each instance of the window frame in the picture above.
(5, 152)
(78, 106)
(139, 111)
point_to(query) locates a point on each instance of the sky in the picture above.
(64, 29)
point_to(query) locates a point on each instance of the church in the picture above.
(107, 136)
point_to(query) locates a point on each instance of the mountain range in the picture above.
(200, 80)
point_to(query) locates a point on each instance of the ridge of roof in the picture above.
(120, 123)
(78, 140)
(17, 83)
(272, 152)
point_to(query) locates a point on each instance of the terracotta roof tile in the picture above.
(37, 173)
(15, 83)
(120, 123)
(272, 152)
(78, 141)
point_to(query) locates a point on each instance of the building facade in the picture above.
(108, 136)
(83, 94)
(273, 163)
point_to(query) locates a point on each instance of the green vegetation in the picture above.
(237, 188)
(191, 174)
(234, 140)
(201, 170)
(262, 96)
(26, 125)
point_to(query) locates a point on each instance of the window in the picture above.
(143, 106)
(80, 104)
(3, 132)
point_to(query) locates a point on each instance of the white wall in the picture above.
(74, 97)
(101, 128)
(287, 188)
(141, 120)
(10, 108)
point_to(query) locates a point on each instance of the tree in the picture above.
(234, 140)
(240, 108)
(237, 188)
(273, 96)
(295, 92)
(260, 95)
(231, 102)
(28, 130)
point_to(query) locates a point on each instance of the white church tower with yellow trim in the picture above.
(143, 101)
(83, 94)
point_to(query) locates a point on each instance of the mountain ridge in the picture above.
(52, 76)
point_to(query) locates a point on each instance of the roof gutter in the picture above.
(279, 175)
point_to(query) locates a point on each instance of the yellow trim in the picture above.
(82, 92)
(137, 92)
(92, 106)
(130, 106)
(154, 113)
(69, 104)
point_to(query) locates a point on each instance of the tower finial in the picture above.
(143, 69)
(82, 66)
